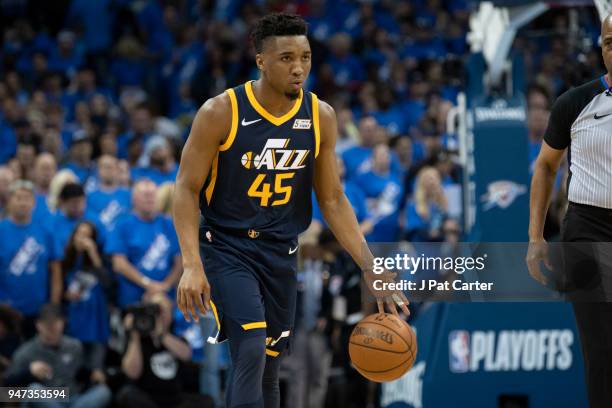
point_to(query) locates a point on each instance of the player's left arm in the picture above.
(337, 209)
(334, 205)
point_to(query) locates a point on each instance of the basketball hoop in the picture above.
(493, 27)
(604, 8)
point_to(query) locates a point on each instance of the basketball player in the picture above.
(261, 147)
(581, 122)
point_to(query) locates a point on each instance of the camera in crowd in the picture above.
(145, 316)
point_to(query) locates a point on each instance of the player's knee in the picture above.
(253, 351)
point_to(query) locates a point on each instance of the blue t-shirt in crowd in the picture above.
(148, 245)
(67, 133)
(184, 109)
(347, 69)
(96, 18)
(8, 142)
(124, 140)
(420, 229)
(42, 41)
(353, 194)
(156, 176)
(108, 206)
(375, 57)
(25, 253)
(191, 332)
(433, 48)
(128, 72)
(321, 27)
(151, 21)
(41, 209)
(73, 96)
(393, 119)
(67, 64)
(383, 194)
(353, 158)
(357, 160)
(88, 318)
(82, 172)
(413, 111)
(63, 226)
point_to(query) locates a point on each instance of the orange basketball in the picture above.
(382, 347)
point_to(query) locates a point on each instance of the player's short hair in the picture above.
(277, 24)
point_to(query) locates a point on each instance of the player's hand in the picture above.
(538, 251)
(41, 370)
(392, 298)
(193, 291)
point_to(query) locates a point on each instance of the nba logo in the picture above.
(459, 351)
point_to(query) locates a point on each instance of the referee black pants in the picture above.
(587, 236)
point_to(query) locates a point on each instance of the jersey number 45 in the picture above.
(262, 190)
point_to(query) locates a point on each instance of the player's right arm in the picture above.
(544, 174)
(556, 139)
(210, 127)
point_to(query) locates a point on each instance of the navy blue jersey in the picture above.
(261, 178)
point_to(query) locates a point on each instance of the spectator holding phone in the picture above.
(86, 277)
(427, 211)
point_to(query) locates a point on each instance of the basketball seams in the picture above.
(383, 371)
(379, 349)
(410, 350)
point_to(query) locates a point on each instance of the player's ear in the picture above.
(259, 61)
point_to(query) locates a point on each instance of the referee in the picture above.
(581, 121)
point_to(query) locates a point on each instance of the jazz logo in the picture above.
(275, 156)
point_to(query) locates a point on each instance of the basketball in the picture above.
(247, 160)
(382, 347)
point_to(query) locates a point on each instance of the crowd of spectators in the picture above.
(96, 100)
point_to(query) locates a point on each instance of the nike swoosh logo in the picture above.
(292, 251)
(602, 116)
(250, 122)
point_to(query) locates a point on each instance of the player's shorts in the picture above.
(253, 283)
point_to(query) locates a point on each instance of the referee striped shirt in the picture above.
(581, 119)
